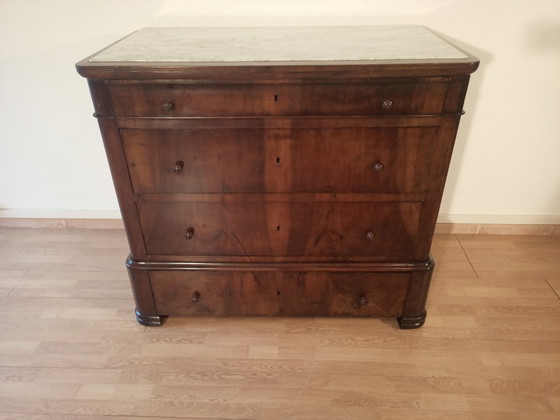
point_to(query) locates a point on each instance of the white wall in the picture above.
(505, 168)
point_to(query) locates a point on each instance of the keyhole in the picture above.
(277, 228)
(277, 160)
(276, 98)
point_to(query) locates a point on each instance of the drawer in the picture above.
(258, 226)
(269, 293)
(289, 99)
(356, 160)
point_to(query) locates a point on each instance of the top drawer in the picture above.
(425, 96)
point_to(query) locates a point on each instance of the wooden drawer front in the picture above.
(269, 293)
(341, 230)
(391, 98)
(280, 160)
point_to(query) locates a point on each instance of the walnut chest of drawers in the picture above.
(279, 171)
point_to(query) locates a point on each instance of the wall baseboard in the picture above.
(60, 223)
(498, 229)
(499, 219)
(441, 228)
(498, 224)
(76, 219)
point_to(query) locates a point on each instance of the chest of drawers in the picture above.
(279, 171)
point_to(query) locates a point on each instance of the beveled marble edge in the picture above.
(279, 44)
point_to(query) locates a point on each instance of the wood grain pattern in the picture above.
(71, 348)
(409, 96)
(263, 293)
(277, 160)
(441, 227)
(298, 229)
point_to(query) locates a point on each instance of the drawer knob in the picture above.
(378, 167)
(189, 233)
(195, 297)
(370, 235)
(364, 301)
(168, 106)
(179, 165)
(387, 104)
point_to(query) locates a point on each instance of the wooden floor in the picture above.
(71, 348)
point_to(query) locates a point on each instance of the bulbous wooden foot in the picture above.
(150, 320)
(409, 323)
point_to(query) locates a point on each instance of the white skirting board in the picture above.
(447, 223)
(499, 224)
(52, 218)
(499, 219)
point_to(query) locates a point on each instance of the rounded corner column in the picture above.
(146, 311)
(414, 308)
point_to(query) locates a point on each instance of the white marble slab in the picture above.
(275, 44)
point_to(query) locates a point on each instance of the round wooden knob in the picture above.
(195, 297)
(387, 104)
(370, 235)
(168, 106)
(378, 167)
(179, 165)
(189, 233)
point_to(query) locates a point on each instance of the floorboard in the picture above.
(70, 346)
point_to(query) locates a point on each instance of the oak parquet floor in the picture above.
(70, 347)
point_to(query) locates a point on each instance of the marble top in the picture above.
(279, 44)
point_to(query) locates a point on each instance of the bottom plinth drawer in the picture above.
(270, 293)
